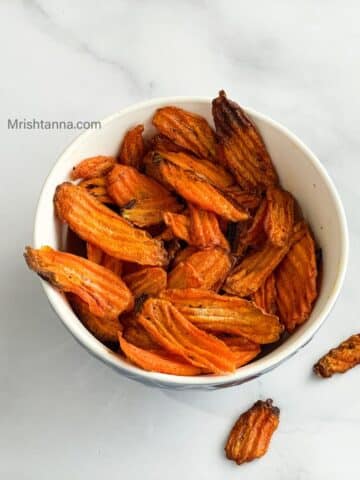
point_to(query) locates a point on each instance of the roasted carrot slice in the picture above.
(97, 188)
(203, 269)
(296, 282)
(214, 174)
(146, 213)
(132, 148)
(189, 130)
(225, 314)
(96, 255)
(104, 329)
(105, 294)
(241, 146)
(204, 229)
(151, 165)
(177, 335)
(244, 350)
(253, 234)
(199, 192)
(113, 264)
(199, 229)
(254, 269)
(250, 436)
(126, 184)
(265, 296)
(147, 281)
(97, 224)
(179, 225)
(242, 197)
(136, 334)
(279, 219)
(160, 142)
(157, 361)
(143, 199)
(183, 255)
(340, 359)
(166, 235)
(212, 265)
(93, 167)
(184, 275)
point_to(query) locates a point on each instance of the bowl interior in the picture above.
(300, 173)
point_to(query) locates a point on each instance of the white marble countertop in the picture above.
(63, 414)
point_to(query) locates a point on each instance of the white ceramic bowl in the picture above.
(300, 172)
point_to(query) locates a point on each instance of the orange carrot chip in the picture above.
(133, 148)
(279, 219)
(186, 129)
(97, 224)
(225, 314)
(177, 335)
(104, 292)
(296, 282)
(241, 146)
(250, 436)
(93, 167)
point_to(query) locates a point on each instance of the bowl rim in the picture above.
(245, 373)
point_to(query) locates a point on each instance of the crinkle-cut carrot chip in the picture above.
(225, 314)
(136, 334)
(279, 220)
(132, 149)
(186, 129)
(160, 142)
(147, 281)
(166, 235)
(208, 268)
(212, 173)
(184, 275)
(265, 296)
(251, 435)
(179, 225)
(143, 200)
(157, 360)
(113, 264)
(254, 269)
(296, 282)
(177, 335)
(104, 329)
(147, 212)
(96, 255)
(340, 359)
(205, 229)
(241, 197)
(199, 228)
(241, 146)
(244, 349)
(253, 234)
(93, 167)
(125, 184)
(105, 294)
(97, 188)
(97, 224)
(151, 165)
(201, 193)
(183, 254)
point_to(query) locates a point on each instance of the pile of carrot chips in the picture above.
(195, 256)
